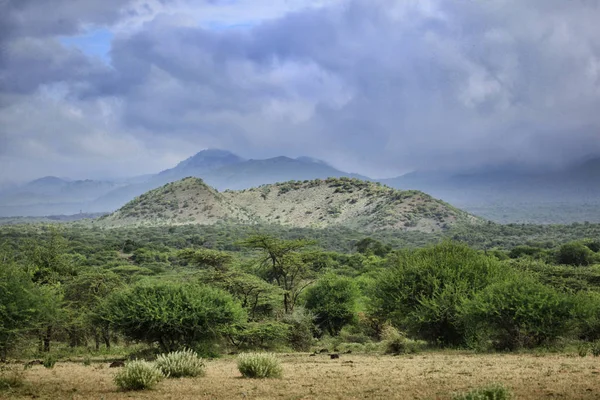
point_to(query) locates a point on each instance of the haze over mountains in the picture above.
(504, 194)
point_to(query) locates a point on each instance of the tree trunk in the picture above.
(106, 336)
(96, 338)
(47, 338)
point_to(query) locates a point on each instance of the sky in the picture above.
(115, 88)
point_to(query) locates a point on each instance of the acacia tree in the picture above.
(49, 266)
(283, 264)
(83, 295)
(20, 305)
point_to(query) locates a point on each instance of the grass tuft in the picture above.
(491, 392)
(259, 365)
(178, 364)
(138, 375)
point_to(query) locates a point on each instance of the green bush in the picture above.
(423, 291)
(575, 253)
(492, 392)
(517, 312)
(171, 314)
(138, 375)
(259, 365)
(49, 361)
(595, 348)
(178, 364)
(302, 329)
(396, 343)
(264, 334)
(333, 300)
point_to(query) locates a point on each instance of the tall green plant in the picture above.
(172, 315)
(424, 289)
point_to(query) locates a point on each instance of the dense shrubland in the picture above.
(219, 289)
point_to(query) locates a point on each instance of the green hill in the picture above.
(346, 202)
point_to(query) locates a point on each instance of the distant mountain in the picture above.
(253, 173)
(316, 203)
(224, 170)
(516, 195)
(199, 164)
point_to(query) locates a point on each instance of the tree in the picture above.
(83, 295)
(204, 258)
(333, 300)
(423, 291)
(255, 295)
(284, 265)
(20, 305)
(171, 314)
(49, 266)
(370, 246)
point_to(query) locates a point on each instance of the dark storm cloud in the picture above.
(376, 86)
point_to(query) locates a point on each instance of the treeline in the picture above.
(224, 289)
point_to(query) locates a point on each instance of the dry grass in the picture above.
(427, 376)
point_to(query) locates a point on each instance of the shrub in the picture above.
(333, 300)
(171, 314)
(423, 291)
(582, 349)
(264, 334)
(574, 253)
(492, 392)
(138, 375)
(259, 365)
(49, 361)
(518, 312)
(396, 343)
(595, 348)
(180, 364)
(303, 329)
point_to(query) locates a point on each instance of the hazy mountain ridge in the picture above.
(507, 194)
(218, 168)
(316, 203)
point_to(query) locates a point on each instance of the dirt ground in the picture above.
(422, 376)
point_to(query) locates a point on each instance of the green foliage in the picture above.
(424, 289)
(333, 300)
(264, 334)
(20, 305)
(576, 254)
(396, 343)
(583, 349)
(259, 365)
(595, 348)
(204, 258)
(491, 392)
(138, 375)
(172, 315)
(182, 363)
(303, 329)
(517, 312)
(49, 361)
(283, 264)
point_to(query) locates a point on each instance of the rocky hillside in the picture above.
(317, 203)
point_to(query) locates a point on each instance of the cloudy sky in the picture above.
(109, 88)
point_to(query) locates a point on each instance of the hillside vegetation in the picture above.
(317, 203)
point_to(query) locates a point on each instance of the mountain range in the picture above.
(505, 194)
